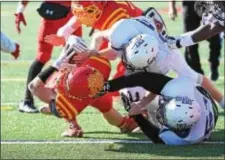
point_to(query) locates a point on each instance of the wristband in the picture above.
(185, 41)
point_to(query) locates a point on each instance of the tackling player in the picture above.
(54, 15)
(141, 44)
(213, 18)
(74, 90)
(8, 46)
(187, 115)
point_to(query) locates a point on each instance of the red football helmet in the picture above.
(87, 12)
(83, 82)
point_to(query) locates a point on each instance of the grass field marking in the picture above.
(89, 141)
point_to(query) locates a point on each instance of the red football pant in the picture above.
(44, 50)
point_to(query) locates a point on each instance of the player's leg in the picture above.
(214, 55)
(43, 55)
(191, 22)
(105, 106)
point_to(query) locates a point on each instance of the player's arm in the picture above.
(9, 46)
(38, 88)
(202, 33)
(136, 108)
(19, 14)
(63, 33)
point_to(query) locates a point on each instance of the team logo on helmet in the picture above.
(83, 82)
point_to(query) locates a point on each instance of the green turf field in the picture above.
(36, 136)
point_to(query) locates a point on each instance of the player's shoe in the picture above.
(27, 107)
(74, 130)
(16, 53)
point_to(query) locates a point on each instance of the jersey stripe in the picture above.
(102, 61)
(112, 16)
(121, 16)
(64, 110)
(69, 104)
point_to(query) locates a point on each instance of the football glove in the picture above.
(19, 19)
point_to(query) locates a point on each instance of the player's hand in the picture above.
(172, 13)
(55, 40)
(19, 19)
(16, 53)
(136, 108)
(172, 42)
(74, 130)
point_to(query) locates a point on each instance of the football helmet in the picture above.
(179, 113)
(216, 8)
(83, 82)
(141, 51)
(87, 12)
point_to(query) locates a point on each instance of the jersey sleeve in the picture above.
(170, 138)
(116, 36)
(180, 66)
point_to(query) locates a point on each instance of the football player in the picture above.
(8, 46)
(186, 110)
(74, 88)
(144, 47)
(99, 16)
(213, 18)
(54, 15)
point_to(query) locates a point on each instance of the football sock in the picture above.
(35, 68)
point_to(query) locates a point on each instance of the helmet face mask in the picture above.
(179, 113)
(141, 51)
(86, 15)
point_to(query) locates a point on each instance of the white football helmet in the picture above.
(141, 51)
(178, 113)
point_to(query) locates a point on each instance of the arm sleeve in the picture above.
(170, 138)
(44, 75)
(7, 45)
(152, 82)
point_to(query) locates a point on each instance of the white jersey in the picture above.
(7, 45)
(124, 30)
(203, 128)
(166, 60)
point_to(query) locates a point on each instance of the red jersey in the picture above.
(69, 106)
(114, 11)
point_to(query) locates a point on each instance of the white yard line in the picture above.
(89, 141)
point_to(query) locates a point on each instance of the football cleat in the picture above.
(28, 107)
